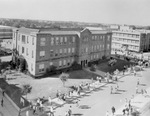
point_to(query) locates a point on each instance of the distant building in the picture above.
(127, 40)
(43, 48)
(6, 37)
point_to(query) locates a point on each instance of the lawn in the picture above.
(48, 86)
(119, 65)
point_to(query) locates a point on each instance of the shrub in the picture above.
(103, 57)
(75, 66)
(92, 68)
(26, 89)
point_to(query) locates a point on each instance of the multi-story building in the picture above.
(125, 41)
(6, 37)
(43, 48)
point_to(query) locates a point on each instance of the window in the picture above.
(64, 63)
(108, 37)
(97, 56)
(65, 41)
(23, 39)
(108, 46)
(68, 62)
(22, 50)
(61, 40)
(73, 39)
(52, 41)
(95, 48)
(65, 50)
(60, 63)
(27, 51)
(86, 49)
(32, 40)
(72, 60)
(42, 53)
(41, 67)
(91, 57)
(27, 39)
(51, 63)
(73, 49)
(56, 53)
(42, 41)
(60, 51)
(57, 40)
(92, 49)
(51, 53)
(32, 54)
(69, 50)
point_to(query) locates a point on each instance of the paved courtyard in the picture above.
(97, 103)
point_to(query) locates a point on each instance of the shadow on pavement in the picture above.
(84, 107)
(121, 90)
(142, 84)
(77, 114)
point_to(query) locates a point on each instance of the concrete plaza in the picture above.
(98, 102)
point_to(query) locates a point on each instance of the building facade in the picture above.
(124, 41)
(6, 33)
(43, 48)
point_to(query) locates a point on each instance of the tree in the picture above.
(64, 77)
(26, 89)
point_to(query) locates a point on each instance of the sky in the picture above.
(133, 12)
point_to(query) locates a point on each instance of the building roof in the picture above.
(60, 32)
(27, 30)
(99, 31)
(94, 28)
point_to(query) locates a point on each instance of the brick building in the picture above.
(43, 48)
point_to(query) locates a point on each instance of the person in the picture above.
(27, 113)
(134, 72)
(138, 82)
(69, 111)
(34, 109)
(100, 79)
(111, 91)
(51, 111)
(123, 111)
(50, 100)
(113, 110)
(3, 93)
(66, 113)
(107, 113)
(2, 102)
(136, 89)
(77, 103)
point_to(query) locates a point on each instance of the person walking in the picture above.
(3, 93)
(136, 89)
(2, 102)
(107, 113)
(113, 110)
(69, 111)
(111, 90)
(27, 113)
(51, 111)
(138, 82)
